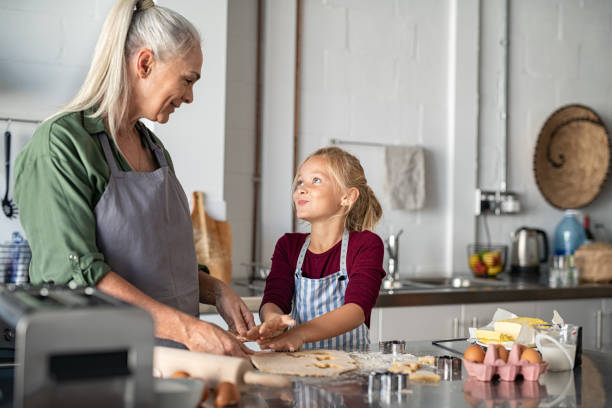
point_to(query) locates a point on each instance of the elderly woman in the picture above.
(97, 193)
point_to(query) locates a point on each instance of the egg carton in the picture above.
(507, 371)
(512, 393)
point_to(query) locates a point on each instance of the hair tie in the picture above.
(142, 5)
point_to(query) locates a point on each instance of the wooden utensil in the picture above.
(213, 368)
(213, 240)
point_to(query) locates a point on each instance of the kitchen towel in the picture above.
(405, 177)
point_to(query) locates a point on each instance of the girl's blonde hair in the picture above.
(347, 172)
(130, 25)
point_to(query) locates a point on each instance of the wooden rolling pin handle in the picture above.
(269, 380)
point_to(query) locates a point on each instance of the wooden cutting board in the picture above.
(213, 240)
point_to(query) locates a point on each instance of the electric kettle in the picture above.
(528, 250)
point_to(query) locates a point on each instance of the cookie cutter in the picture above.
(394, 347)
(449, 368)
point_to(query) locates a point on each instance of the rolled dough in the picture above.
(316, 363)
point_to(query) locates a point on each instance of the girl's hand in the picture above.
(272, 327)
(290, 340)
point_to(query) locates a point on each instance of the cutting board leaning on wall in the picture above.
(213, 241)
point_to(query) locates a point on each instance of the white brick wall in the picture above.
(380, 70)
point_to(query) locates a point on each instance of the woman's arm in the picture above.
(331, 324)
(172, 324)
(229, 305)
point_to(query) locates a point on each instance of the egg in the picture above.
(179, 374)
(474, 353)
(502, 352)
(226, 394)
(531, 355)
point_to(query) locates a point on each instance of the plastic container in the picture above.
(569, 234)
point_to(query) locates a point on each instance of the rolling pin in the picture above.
(213, 368)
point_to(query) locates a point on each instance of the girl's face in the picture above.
(317, 196)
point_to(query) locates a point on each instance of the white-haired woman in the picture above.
(97, 193)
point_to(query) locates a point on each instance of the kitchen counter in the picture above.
(587, 386)
(502, 290)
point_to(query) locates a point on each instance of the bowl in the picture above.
(177, 392)
(487, 260)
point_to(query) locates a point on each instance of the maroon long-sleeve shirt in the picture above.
(364, 260)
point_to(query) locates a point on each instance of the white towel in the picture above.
(405, 177)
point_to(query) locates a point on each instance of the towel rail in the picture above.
(338, 141)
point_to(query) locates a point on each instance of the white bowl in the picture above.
(177, 392)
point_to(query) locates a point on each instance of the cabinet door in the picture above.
(480, 314)
(419, 322)
(581, 312)
(606, 329)
(218, 320)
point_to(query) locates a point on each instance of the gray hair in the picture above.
(131, 25)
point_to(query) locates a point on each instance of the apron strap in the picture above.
(344, 250)
(108, 154)
(159, 154)
(300, 261)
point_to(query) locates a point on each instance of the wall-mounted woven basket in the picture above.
(572, 157)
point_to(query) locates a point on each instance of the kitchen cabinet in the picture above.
(452, 321)
(415, 323)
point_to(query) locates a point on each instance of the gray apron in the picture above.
(144, 230)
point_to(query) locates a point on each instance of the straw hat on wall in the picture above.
(572, 157)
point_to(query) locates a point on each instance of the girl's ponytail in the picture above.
(365, 212)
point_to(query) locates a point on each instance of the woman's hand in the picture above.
(274, 326)
(210, 338)
(233, 310)
(290, 340)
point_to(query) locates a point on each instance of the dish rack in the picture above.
(15, 259)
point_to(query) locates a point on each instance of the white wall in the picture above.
(240, 129)
(428, 72)
(559, 54)
(46, 50)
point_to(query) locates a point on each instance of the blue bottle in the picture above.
(569, 234)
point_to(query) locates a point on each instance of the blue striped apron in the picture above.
(315, 297)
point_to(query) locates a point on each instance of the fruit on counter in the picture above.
(474, 353)
(531, 355)
(486, 263)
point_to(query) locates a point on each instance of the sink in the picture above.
(441, 283)
(456, 282)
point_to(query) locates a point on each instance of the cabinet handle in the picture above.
(455, 327)
(599, 328)
(474, 321)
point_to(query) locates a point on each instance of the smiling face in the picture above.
(162, 86)
(317, 196)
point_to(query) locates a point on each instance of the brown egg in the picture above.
(474, 353)
(205, 394)
(179, 374)
(502, 352)
(226, 394)
(531, 355)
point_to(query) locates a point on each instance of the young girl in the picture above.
(324, 284)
